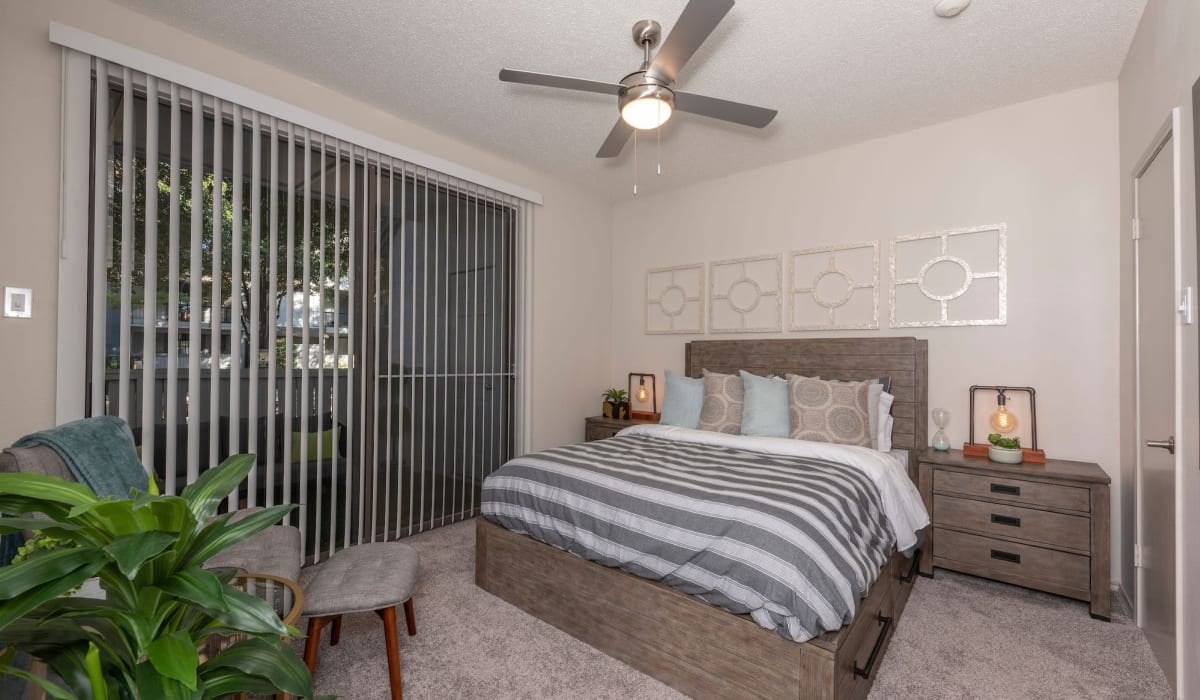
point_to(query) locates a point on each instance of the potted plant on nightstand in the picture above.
(616, 403)
(1005, 450)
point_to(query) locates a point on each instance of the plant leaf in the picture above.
(205, 495)
(19, 505)
(116, 517)
(152, 684)
(174, 655)
(9, 524)
(8, 667)
(198, 587)
(220, 535)
(225, 682)
(49, 566)
(266, 658)
(172, 514)
(22, 604)
(250, 614)
(68, 663)
(45, 488)
(129, 552)
(95, 674)
(18, 606)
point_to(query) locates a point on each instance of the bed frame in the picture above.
(695, 647)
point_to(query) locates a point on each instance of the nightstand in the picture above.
(599, 427)
(1042, 526)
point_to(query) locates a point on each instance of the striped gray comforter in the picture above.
(794, 542)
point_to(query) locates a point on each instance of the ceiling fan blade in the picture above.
(558, 81)
(615, 142)
(725, 110)
(697, 21)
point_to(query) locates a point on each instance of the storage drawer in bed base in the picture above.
(690, 645)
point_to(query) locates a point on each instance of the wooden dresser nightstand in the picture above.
(599, 427)
(1042, 526)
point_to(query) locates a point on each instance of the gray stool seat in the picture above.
(372, 577)
(363, 578)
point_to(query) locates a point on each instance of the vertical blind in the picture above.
(257, 286)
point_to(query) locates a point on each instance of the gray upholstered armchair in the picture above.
(275, 550)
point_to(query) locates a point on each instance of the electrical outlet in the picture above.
(18, 303)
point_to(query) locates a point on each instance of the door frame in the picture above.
(1168, 133)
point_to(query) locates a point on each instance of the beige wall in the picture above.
(1162, 65)
(571, 352)
(1047, 168)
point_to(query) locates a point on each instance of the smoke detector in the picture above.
(950, 8)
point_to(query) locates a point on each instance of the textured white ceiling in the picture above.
(838, 71)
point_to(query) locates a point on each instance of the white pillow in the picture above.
(883, 438)
(874, 391)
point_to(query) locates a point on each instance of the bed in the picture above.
(699, 648)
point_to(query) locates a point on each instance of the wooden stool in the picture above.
(366, 578)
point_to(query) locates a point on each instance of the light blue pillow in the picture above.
(765, 408)
(683, 401)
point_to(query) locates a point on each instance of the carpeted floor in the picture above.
(960, 637)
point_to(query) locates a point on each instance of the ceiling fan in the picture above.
(646, 97)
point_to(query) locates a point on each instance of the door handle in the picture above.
(1168, 444)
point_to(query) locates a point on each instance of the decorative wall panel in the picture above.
(675, 299)
(746, 295)
(834, 288)
(950, 278)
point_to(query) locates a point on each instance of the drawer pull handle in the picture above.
(1006, 556)
(1006, 489)
(1006, 520)
(912, 569)
(885, 623)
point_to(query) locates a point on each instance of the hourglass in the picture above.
(941, 417)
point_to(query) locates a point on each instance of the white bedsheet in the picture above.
(902, 504)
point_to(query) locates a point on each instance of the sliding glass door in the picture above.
(258, 287)
(446, 382)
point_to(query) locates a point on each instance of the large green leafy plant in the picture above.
(148, 552)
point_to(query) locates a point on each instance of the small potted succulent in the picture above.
(1005, 450)
(616, 403)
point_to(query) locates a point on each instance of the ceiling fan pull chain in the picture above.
(635, 162)
(658, 137)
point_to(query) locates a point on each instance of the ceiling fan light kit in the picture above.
(645, 102)
(647, 98)
(646, 106)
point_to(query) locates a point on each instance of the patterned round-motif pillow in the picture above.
(825, 411)
(723, 399)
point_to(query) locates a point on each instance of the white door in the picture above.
(1155, 253)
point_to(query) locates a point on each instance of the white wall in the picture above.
(571, 353)
(1047, 168)
(1162, 65)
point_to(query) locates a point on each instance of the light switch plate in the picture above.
(18, 303)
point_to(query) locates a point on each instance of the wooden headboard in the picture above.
(905, 360)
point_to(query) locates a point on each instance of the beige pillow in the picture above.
(723, 397)
(827, 411)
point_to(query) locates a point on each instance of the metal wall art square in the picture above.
(675, 300)
(950, 278)
(834, 288)
(746, 295)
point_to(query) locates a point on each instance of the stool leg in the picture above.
(313, 643)
(336, 635)
(393, 650)
(410, 617)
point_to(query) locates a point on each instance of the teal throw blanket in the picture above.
(99, 452)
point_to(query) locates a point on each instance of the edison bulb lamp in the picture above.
(1002, 420)
(642, 394)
